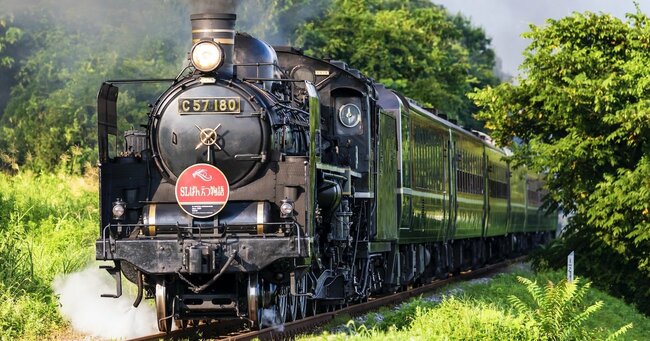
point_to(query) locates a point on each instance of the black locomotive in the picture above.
(270, 183)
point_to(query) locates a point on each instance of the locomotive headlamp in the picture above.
(206, 56)
(119, 207)
(286, 209)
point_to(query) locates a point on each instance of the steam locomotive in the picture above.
(271, 183)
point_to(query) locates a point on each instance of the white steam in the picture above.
(112, 318)
(271, 319)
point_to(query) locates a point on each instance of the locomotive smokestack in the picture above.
(219, 27)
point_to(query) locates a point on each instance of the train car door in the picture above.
(387, 178)
(407, 199)
(486, 194)
(452, 207)
(497, 194)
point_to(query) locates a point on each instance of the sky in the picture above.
(505, 20)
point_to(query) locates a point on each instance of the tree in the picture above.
(581, 110)
(51, 115)
(414, 47)
(66, 53)
(9, 37)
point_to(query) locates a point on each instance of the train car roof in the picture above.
(477, 136)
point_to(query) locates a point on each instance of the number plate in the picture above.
(217, 105)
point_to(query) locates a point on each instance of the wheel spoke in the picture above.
(278, 299)
(281, 299)
(292, 307)
(302, 299)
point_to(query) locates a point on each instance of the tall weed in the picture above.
(47, 226)
(558, 311)
(606, 267)
(452, 319)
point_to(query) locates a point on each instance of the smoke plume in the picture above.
(214, 6)
(89, 313)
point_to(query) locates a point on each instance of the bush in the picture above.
(608, 270)
(558, 312)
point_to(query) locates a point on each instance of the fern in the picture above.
(558, 311)
(617, 334)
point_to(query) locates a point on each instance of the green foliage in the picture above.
(485, 311)
(10, 39)
(412, 46)
(452, 319)
(59, 57)
(582, 112)
(8, 36)
(607, 321)
(557, 313)
(608, 269)
(51, 115)
(472, 321)
(398, 319)
(47, 225)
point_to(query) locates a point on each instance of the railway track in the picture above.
(231, 329)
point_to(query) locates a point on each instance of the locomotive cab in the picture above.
(347, 112)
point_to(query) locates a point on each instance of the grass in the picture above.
(48, 223)
(47, 227)
(485, 311)
(614, 314)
